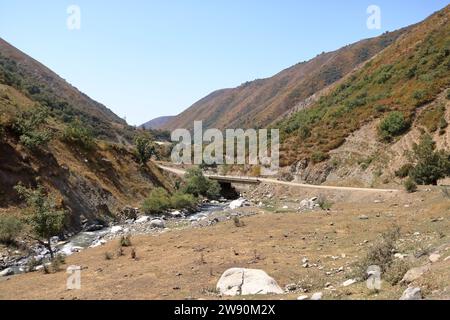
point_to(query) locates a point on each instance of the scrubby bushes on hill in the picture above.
(160, 201)
(144, 148)
(10, 228)
(30, 126)
(392, 125)
(78, 134)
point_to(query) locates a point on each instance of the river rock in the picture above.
(411, 294)
(240, 281)
(7, 272)
(317, 296)
(116, 229)
(142, 219)
(157, 223)
(176, 214)
(303, 297)
(309, 204)
(237, 203)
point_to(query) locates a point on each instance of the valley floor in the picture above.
(186, 262)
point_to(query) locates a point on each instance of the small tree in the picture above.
(430, 165)
(30, 127)
(198, 185)
(44, 218)
(145, 148)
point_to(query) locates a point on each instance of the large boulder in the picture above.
(237, 203)
(157, 223)
(240, 281)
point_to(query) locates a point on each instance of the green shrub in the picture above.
(79, 134)
(318, 157)
(448, 95)
(198, 185)
(404, 171)
(180, 200)
(430, 165)
(393, 125)
(30, 127)
(10, 228)
(157, 202)
(144, 148)
(410, 185)
(125, 241)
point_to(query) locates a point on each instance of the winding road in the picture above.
(181, 172)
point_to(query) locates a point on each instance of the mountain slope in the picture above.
(157, 123)
(412, 76)
(258, 103)
(39, 83)
(91, 182)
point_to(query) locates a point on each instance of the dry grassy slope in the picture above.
(61, 88)
(344, 119)
(260, 102)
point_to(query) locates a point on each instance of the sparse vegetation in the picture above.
(404, 171)
(30, 126)
(394, 274)
(381, 254)
(10, 229)
(79, 134)
(157, 202)
(324, 203)
(125, 241)
(44, 217)
(108, 256)
(180, 200)
(430, 165)
(393, 125)
(410, 185)
(319, 156)
(238, 222)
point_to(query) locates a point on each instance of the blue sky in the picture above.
(145, 59)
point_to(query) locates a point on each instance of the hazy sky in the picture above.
(145, 59)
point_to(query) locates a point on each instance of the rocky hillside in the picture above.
(338, 135)
(258, 103)
(53, 135)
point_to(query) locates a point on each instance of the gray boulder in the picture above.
(240, 281)
(412, 294)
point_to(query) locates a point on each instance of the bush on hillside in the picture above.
(430, 164)
(404, 171)
(29, 126)
(79, 134)
(157, 202)
(10, 228)
(318, 157)
(144, 148)
(410, 185)
(392, 125)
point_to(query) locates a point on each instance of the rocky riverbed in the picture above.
(93, 236)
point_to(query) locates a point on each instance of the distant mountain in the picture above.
(157, 123)
(259, 103)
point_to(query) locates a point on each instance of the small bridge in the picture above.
(234, 179)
